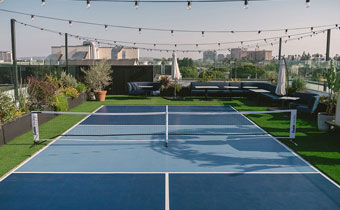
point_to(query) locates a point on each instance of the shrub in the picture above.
(68, 80)
(98, 76)
(70, 92)
(61, 104)
(42, 92)
(165, 81)
(81, 88)
(206, 76)
(299, 84)
(8, 110)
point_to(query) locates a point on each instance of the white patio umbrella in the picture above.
(281, 82)
(175, 73)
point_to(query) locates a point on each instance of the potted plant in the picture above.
(97, 77)
(333, 84)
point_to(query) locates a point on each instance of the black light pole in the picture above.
(328, 44)
(280, 47)
(14, 58)
(66, 53)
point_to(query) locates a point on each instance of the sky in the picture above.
(261, 15)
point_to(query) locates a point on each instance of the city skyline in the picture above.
(216, 16)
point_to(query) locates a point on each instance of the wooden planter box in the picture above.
(22, 124)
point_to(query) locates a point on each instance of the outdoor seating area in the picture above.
(144, 88)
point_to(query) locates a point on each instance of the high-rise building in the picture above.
(220, 57)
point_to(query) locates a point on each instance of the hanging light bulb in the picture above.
(136, 4)
(32, 17)
(189, 5)
(105, 27)
(70, 23)
(307, 3)
(311, 28)
(202, 33)
(140, 30)
(172, 32)
(196, 45)
(245, 4)
(286, 31)
(88, 5)
(259, 32)
(43, 2)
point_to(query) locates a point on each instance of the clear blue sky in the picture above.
(202, 16)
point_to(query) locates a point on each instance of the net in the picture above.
(160, 126)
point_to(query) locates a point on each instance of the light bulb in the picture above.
(307, 3)
(136, 4)
(88, 5)
(70, 23)
(43, 2)
(189, 5)
(245, 4)
(32, 17)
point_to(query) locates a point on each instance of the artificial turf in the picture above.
(320, 149)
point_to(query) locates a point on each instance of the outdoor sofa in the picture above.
(136, 88)
(307, 103)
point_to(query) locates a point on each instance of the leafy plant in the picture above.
(68, 80)
(61, 104)
(333, 84)
(70, 92)
(165, 81)
(81, 88)
(98, 76)
(206, 76)
(8, 110)
(42, 92)
(299, 84)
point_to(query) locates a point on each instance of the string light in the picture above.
(109, 42)
(189, 5)
(307, 3)
(88, 5)
(245, 4)
(105, 27)
(70, 23)
(32, 17)
(140, 31)
(136, 4)
(43, 3)
(286, 31)
(202, 33)
(172, 32)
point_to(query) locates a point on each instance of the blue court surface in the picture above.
(198, 170)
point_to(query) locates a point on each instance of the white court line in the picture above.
(103, 140)
(297, 155)
(35, 154)
(173, 172)
(167, 194)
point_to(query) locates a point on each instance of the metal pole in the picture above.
(14, 58)
(166, 126)
(328, 44)
(280, 48)
(66, 53)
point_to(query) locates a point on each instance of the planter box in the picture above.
(73, 102)
(2, 141)
(22, 125)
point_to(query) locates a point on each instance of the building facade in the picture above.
(257, 55)
(5, 56)
(90, 50)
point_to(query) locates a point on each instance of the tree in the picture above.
(185, 62)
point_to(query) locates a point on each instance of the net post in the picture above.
(35, 126)
(293, 114)
(166, 125)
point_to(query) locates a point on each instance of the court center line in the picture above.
(167, 196)
(39, 151)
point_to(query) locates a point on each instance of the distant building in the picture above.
(258, 55)
(5, 56)
(220, 57)
(209, 55)
(91, 51)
